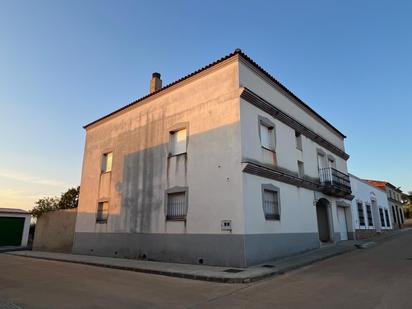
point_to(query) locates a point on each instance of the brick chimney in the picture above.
(155, 82)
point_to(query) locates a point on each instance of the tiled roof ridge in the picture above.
(237, 51)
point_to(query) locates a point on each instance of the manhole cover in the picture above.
(268, 266)
(233, 270)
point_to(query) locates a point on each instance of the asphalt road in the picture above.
(379, 277)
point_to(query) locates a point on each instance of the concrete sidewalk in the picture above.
(209, 273)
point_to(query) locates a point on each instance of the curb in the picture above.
(243, 280)
(157, 272)
(315, 260)
(278, 270)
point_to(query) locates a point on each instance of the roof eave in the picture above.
(244, 56)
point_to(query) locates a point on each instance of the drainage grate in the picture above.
(268, 266)
(409, 258)
(233, 270)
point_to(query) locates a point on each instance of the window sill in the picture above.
(170, 155)
(101, 221)
(108, 172)
(268, 149)
(272, 217)
(183, 218)
(300, 149)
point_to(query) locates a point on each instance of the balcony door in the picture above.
(321, 161)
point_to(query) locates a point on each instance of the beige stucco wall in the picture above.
(55, 231)
(139, 137)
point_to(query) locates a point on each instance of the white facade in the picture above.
(367, 197)
(208, 170)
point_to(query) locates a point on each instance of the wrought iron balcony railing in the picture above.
(334, 181)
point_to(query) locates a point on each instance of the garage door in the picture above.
(11, 231)
(343, 229)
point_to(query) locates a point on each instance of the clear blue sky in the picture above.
(66, 63)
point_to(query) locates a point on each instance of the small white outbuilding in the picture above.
(14, 227)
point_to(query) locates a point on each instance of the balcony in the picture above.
(334, 182)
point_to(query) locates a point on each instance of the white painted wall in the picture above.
(286, 153)
(253, 81)
(298, 210)
(365, 193)
(223, 130)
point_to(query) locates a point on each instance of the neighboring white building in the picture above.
(371, 212)
(14, 227)
(394, 195)
(224, 167)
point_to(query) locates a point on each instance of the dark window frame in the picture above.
(386, 212)
(176, 190)
(277, 211)
(381, 216)
(101, 216)
(361, 216)
(369, 215)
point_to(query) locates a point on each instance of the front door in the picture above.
(343, 228)
(323, 220)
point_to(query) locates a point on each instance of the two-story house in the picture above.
(224, 166)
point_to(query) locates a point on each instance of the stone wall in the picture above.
(55, 231)
(367, 234)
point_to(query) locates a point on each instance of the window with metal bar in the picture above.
(381, 217)
(176, 206)
(388, 224)
(271, 205)
(369, 215)
(361, 214)
(102, 212)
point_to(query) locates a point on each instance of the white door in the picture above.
(343, 229)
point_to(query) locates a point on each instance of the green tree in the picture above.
(44, 205)
(68, 199)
